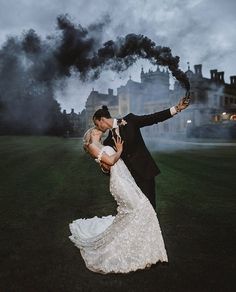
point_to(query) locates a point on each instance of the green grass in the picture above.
(46, 182)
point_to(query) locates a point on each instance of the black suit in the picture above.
(135, 153)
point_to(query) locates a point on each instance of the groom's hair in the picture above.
(102, 113)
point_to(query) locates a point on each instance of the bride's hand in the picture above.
(105, 167)
(118, 144)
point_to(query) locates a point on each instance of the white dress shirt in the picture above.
(173, 110)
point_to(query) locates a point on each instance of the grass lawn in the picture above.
(46, 182)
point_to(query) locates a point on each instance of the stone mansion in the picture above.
(213, 101)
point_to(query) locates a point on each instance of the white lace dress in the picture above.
(129, 241)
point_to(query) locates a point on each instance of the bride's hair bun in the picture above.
(105, 108)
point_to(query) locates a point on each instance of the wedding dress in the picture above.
(129, 241)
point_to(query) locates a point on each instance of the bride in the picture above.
(132, 239)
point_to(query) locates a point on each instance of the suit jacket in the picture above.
(135, 153)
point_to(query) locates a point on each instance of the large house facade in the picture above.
(213, 100)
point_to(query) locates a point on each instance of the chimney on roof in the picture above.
(233, 80)
(72, 111)
(213, 74)
(64, 112)
(198, 69)
(220, 77)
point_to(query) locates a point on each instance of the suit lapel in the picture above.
(122, 132)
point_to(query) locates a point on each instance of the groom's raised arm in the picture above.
(148, 120)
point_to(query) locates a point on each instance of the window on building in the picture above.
(222, 100)
(196, 97)
(215, 100)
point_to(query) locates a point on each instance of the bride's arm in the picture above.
(109, 160)
(105, 167)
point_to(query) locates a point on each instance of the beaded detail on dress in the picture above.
(129, 241)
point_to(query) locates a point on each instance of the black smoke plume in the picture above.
(31, 68)
(77, 50)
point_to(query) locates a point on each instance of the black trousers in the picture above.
(148, 188)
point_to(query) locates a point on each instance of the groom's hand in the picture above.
(183, 103)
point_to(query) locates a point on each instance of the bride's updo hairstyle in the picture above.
(102, 113)
(87, 138)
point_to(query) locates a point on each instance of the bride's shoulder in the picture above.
(108, 149)
(97, 149)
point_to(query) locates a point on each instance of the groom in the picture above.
(135, 153)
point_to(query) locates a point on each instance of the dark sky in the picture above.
(199, 31)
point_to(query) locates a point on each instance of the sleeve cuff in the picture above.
(173, 110)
